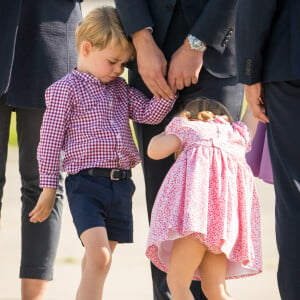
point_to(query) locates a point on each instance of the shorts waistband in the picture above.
(113, 174)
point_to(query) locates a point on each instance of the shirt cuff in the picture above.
(49, 181)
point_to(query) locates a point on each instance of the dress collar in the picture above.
(219, 119)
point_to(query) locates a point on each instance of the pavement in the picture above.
(129, 277)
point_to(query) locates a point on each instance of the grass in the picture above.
(13, 141)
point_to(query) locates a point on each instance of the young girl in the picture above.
(205, 222)
(87, 117)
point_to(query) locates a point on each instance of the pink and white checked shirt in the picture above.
(89, 122)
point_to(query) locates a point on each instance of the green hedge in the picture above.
(13, 133)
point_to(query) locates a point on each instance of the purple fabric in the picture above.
(259, 158)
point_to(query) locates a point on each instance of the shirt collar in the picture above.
(87, 77)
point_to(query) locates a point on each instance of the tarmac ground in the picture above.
(129, 277)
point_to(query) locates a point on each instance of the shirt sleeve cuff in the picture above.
(49, 181)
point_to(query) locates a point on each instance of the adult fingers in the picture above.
(187, 81)
(159, 87)
(258, 111)
(165, 89)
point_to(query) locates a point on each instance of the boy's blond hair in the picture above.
(101, 27)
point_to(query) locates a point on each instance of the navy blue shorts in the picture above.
(96, 201)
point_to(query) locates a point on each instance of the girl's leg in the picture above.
(187, 254)
(96, 263)
(212, 271)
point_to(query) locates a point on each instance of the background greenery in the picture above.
(13, 134)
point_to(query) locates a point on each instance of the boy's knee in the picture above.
(102, 259)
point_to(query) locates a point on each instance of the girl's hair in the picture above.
(101, 27)
(204, 109)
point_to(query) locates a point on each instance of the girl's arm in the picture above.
(163, 145)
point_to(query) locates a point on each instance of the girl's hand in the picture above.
(44, 206)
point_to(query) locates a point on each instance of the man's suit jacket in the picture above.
(212, 21)
(37, 47)
(268, 40)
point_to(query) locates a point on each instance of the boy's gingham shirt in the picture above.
(89, 122)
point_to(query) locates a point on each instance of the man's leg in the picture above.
(5, 113)
(283, 107)
(39, 240)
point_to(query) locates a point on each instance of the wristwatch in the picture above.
(196, 44)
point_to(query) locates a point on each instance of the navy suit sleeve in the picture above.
(134, 15)
(253, 25)
(216, 23)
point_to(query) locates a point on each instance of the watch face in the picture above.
(196, 44)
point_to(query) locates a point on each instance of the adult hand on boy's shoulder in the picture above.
(152, 64)
(44, 206)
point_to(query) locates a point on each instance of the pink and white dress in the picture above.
(209, 193)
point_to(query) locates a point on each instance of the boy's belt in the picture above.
(113, 174)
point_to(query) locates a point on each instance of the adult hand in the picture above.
(255, 99)
(44, 206)
(152, 64)
(185, 66)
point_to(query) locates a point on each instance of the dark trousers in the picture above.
(283, 107)
(225, 90)
(39, 240)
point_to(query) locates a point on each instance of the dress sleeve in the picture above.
(178, 127)
(244, 132)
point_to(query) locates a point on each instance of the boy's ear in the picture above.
(86, 48)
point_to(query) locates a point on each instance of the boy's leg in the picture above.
(212, 271)
(112, 246)
(187, 254)
(96, 263)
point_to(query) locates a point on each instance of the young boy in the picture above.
(87, 117)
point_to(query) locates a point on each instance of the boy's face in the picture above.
(108, 63)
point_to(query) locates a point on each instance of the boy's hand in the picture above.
(44, 206)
